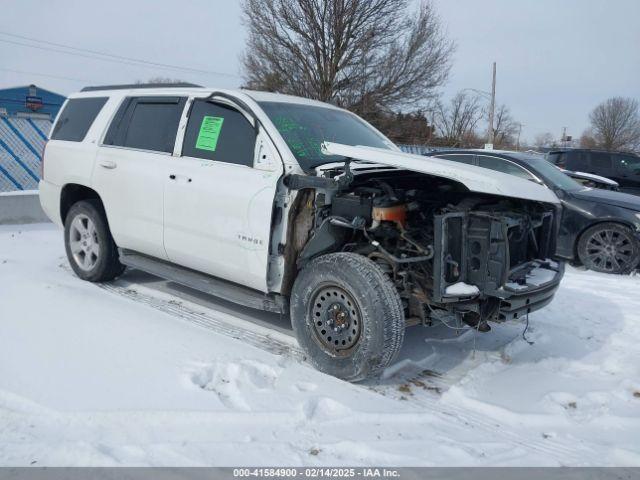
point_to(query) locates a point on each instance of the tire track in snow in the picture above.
(427, 400)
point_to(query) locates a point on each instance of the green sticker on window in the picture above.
(209, 133)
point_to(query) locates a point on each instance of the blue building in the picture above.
(26, 115)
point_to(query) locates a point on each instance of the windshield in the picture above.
(305, 127)
(549, 172)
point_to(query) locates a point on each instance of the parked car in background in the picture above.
(599, 229)
(593, 181)
(624, 168)
(295, 206)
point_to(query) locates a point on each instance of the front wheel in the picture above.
(91, 251)
(609, 248)
(347, 316)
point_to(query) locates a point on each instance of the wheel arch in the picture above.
(72, 193)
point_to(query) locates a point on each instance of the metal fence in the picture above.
(21, 144)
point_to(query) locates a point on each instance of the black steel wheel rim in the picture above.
(337, 322)
(610, 250)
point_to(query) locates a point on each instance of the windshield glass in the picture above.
(549, 172)
(305, 127)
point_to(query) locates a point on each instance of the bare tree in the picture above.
(505, 127)
(456, 121)
(616, 124)
(365, 55)
(543, 140)
(587, 139)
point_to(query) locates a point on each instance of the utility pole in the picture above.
(518, 141)
(493, 105)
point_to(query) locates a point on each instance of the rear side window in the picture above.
(456, 157)
(600, 160)
(76, 118)
(146, 123)
(576, 161)
(219, 132)
(504, 166)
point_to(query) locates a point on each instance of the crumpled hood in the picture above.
(609, 197)
(476, 179)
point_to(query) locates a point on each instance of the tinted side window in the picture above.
(627, 163)
(468, 159)
(576, 161)
(504, 166)
(600, 160)
(76, 118)
(219, 132)
(147, 123)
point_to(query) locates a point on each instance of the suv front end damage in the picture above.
(452, 254)
(506, 255)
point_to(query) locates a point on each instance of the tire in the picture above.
(358, 308)
(609, 248)
(92, 253)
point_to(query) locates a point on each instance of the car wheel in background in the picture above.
(609, 248)
(91, 251)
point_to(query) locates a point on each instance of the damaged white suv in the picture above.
(295, 206)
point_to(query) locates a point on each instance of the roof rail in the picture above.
(141, 85)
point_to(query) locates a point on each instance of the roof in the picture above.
(132, 86)
(191, 89)
(563, 150)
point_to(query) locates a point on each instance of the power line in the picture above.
(104, 56)
(79, 80)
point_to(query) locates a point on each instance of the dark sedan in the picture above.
(599, 229)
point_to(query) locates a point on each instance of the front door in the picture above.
(219, 196)
(627, 172)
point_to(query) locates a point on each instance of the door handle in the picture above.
(172, 176)
(108, 164)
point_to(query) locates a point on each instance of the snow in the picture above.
(140, 372)
(462, 289)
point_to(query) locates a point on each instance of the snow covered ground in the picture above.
(143, 372)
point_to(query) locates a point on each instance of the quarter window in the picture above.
(76, 118)
(504, 166)
(147, 123)
(219, 132)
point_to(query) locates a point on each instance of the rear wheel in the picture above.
(347, 316)
(609, 248)
(91, 251)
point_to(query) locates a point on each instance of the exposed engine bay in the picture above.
(451, 253)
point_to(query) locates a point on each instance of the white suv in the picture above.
(295, 206)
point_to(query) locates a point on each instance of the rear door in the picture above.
(131, 168)
(219, 195)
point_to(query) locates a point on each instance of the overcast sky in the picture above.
(556, 58)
